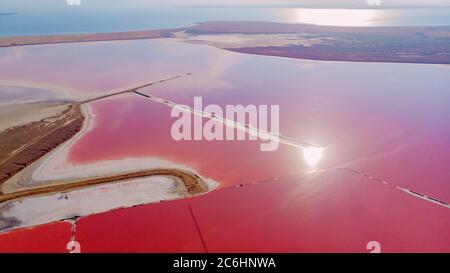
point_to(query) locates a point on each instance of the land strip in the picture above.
(193, 183)
(78, 38)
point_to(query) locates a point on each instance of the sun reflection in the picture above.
(312, 156)
(337, 17)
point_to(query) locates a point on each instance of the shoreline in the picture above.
(428, 44)
(11, 41)
(29, 156)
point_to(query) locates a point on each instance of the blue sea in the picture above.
(28, 20)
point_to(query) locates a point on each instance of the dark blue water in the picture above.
(27, 20)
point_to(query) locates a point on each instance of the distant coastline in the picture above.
(78, 38)
(302, 41)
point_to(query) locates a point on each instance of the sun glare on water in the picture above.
(312, 156)
(337, 17)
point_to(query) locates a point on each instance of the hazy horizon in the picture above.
(142, 4)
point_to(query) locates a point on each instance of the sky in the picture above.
(4, 4)
(325, 3)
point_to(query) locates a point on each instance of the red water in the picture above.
(388, 120)
(48, 238)
(327, 212)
